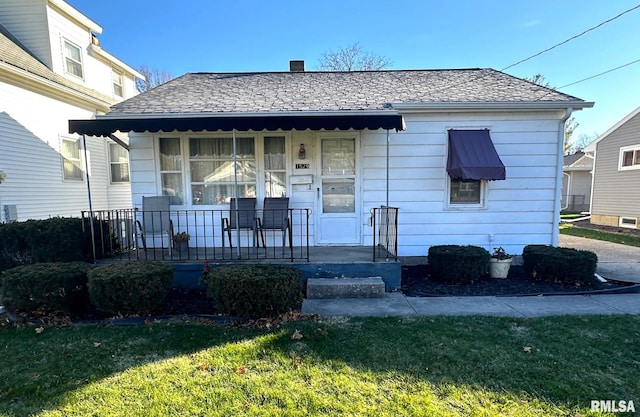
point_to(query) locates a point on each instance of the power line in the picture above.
(602, 73)
(571, 38)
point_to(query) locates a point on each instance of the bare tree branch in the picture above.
(352, 58)
(153, 78)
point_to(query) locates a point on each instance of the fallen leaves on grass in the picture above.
(526, 349)
(296, 335)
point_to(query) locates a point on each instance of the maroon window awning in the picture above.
(472, 156)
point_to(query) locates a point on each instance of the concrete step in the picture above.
(371, 287)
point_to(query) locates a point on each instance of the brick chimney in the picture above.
(296, 66)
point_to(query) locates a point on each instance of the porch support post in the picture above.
(387, 167)
(235, 191)
(86, 172)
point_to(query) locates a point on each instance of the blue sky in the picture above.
(249, 35)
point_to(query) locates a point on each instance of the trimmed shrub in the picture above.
(45, 288)
(566, 265)
(254, 290)
(458, 264)
(58, 239)
(130, 288)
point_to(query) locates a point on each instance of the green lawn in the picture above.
(456, 366)
(568, 229)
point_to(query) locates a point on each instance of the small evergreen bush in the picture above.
(566, 265)
(458, 264)
(51, 287)
(254, 290)
(130, 288)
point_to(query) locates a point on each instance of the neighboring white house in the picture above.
(576, 181)
(53, 69)
(615, 200)
(475, 156)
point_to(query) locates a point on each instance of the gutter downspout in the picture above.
(555, 231)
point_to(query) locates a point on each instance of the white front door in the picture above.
(338, 196)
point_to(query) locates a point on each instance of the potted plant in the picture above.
(499, 263)
(181, 241)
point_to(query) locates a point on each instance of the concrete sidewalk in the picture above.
(396, 304)
(615, 261)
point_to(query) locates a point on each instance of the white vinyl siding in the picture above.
(518, 211)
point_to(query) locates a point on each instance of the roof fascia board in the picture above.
(115, 115)
(107, 56)
(76, 15)
(592, 146)
(497, 106)
(25, 78)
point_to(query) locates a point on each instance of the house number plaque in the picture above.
(303, 166)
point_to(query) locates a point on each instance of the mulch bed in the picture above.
(416, 282)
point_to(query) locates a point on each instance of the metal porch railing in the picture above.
(385, 233)
(122, 235)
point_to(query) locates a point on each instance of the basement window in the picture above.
(629, 222)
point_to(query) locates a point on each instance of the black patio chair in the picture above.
(244, 218)
(275, 216)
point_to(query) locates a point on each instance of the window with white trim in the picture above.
(466, 193)
(119, 163)
(118, 84)
(71, 161)
(72, 59)
(211, 163)
(629, 157)
(171, 169)
(275, 166)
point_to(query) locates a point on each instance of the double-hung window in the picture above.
(119, 162)
(171, 169)
(213, 173)
(73, 59)
(275, 166)
(71, 162)
(465, 192)
(118, 85)
(629, 157)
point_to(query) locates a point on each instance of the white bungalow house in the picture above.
(616, 174)
(52, 69)
(469, 156)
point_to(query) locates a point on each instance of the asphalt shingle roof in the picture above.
(273, 92)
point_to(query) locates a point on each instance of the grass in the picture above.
(439, 366)
(568, 229)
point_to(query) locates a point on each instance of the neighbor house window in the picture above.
(630, 157)
(119, 161)
(71, 162)
(171, 169)
(275, 167)
(73, 59)
(118, 88)
(211, 163)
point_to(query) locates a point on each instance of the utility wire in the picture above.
(571, 38)
(602, 73)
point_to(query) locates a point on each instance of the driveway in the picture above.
(615, 261)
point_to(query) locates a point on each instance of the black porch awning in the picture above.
(472, 156)
(107, 126)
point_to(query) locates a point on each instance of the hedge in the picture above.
(254, 290)
(554, 264)
(458, 264)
